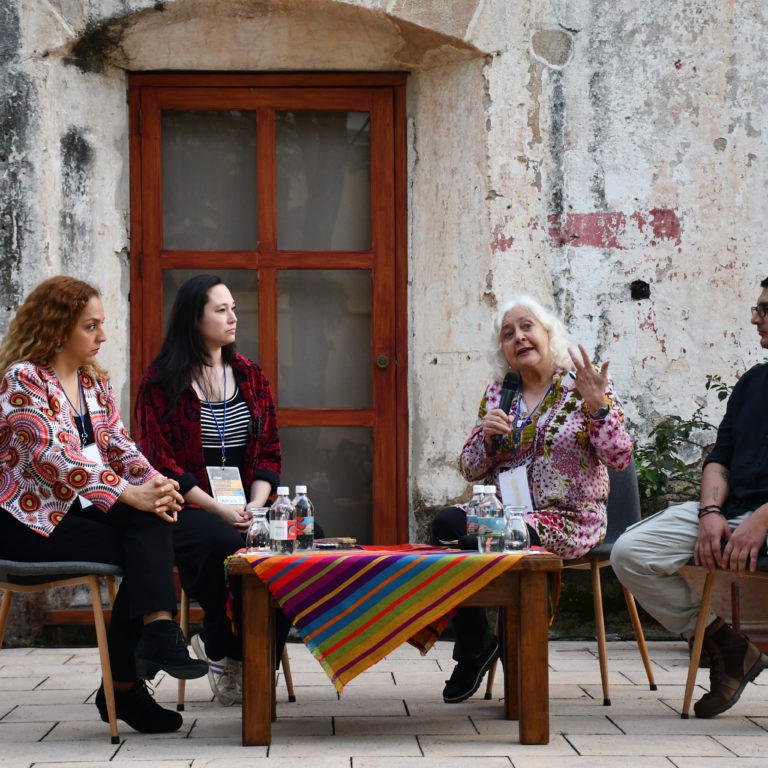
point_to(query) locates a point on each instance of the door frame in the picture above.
(390, 523)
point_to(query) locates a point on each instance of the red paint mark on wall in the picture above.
(615, 229)
(664, 224)
(600, 230)
(499, 241)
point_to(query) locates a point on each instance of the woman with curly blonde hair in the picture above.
(74, 486)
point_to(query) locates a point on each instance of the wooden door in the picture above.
(291, 189)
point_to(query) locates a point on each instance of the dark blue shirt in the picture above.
(742, 443)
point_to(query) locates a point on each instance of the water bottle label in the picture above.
(305, 526)
(290, 530)
(471, 523)
(278, 530)
(490, 526)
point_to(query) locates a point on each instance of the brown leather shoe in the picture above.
(704, 662)
(734, 662)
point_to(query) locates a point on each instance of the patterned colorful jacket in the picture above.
(174, 444)
(565, 454)
(42, 468)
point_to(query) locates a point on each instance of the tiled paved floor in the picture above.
(390, 717)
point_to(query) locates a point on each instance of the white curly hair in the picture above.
(558, 338)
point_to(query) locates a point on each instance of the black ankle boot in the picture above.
(162, 646)
(137, 708)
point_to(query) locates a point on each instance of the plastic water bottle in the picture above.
(305, 518)
(472, 507)
(490, 522)
(282, 523)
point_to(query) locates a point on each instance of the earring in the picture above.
(59, 348)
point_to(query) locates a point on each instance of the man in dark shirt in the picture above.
(732, 511)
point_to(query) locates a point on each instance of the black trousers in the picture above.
(139, 542)
(201, 542)
(470, 625)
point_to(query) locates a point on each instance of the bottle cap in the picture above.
(478, 489)
(488, 489)
(282, 490)
(301, 489)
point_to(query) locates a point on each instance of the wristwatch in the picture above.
(601, 413)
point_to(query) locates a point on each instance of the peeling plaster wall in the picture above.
(562, 147)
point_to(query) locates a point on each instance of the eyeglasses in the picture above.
(761, 309)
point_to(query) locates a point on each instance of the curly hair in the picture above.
(558, 339)
(45, 320)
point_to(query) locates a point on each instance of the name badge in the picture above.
(226, 485)
(514, 488)
(91, 452)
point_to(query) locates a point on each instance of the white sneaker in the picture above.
(221, 675)
(236, 674)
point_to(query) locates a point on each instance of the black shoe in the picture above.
(162, 646)
(467, 675)
(137, 708)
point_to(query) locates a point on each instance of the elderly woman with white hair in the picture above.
(564, 428)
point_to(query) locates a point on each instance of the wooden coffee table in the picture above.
(521, 593)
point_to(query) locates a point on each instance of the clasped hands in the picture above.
(160, 495)
(742, 544)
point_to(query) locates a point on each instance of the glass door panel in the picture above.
(288, 193)
(324, 338)
(323, 180)
(336, 465)
(209, 193)
(243, 284)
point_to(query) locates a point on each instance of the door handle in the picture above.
(382, 362)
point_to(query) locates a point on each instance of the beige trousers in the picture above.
(647, 557)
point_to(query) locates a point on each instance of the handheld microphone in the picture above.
(508, 392)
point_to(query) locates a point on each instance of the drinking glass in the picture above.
(516, 536)
(257, 539)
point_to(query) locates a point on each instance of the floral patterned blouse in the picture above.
(565, 454)
(42, 465)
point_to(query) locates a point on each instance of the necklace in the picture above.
(518, 430)
(222, 430)
(81, 412)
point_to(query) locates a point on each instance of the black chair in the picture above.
(27, 577)
(701, 624)
(623, 511)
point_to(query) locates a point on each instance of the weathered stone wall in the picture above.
(566, 148)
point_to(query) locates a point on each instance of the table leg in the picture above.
(509, 621)
(258, 671)
(534, 675)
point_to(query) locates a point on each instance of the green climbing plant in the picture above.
(665, 473)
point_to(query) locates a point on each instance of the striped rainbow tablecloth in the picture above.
(353, 607)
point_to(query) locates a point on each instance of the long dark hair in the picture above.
(183, 351)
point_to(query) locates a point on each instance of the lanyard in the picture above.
(516, 435)
(222, 430)
(81, 412)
